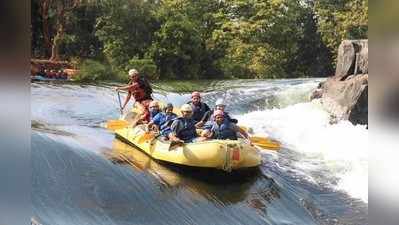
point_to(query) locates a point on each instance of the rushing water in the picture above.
(82, 175)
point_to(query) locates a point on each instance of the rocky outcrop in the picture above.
(345, 95)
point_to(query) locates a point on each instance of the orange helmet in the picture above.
(195, 94)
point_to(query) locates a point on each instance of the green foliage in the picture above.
(177, 49)
(146, 67)
(91, 71)
(126, 30)
(341, 19)
(80, 39)
(259, 38)
(207, 39)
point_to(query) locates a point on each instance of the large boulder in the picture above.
(347, 99)
(352, 58)
(345, 95)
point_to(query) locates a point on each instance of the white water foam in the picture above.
(304, 127)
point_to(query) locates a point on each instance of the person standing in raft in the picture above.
(141, 90)
(201, 110)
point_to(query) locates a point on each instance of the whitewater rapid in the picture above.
(339, 149)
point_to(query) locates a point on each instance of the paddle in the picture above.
(122, 123)
(265, 143)
(120, 103)
(116, 124)
(262, 142)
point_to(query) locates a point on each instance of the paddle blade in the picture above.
(116, 124)
(146, 137)
(266, 143)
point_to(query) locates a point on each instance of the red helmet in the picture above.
(218, 113)
(195, 94)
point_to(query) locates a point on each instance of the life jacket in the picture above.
(145, 85)
(199, 111)
(187, 130)
(153, 113)
(223, 131)
(167, 121)
(138, 93)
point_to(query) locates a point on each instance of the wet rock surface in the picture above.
(345, 95)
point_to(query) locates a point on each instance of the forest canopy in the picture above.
(191, 39)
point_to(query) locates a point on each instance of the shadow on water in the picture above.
(215, 185)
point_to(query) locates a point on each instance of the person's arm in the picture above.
(125, 88)
(155, 122)
(242, 132)
(206, 117)
(199, 124)
(207, 134)
(173, 134)
(234, 120)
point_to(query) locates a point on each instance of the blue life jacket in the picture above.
(167, 120)
(163, 121)
(153, 113)
(187, 131)
(199, 111)
(224, 131)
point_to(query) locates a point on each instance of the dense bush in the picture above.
(91, 70)
(146, 67)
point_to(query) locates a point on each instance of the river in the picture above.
(82, 175)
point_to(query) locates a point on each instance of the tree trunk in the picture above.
(45, 5)
(55, 54)
(62, 7)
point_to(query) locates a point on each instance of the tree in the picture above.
(177, 49)
(260, 37)
(126, 30)
(341, 19)
(57, 10)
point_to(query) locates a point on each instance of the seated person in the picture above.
(64, 75)
(154, 109)
(223, 129)
(183, 129)
(162, 121)
(46, 73)
(201, 110)
(41, 72)
(52, 74)
(220, 105)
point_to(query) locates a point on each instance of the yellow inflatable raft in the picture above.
(226, 155)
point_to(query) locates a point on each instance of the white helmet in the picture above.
(220, 102)
(186, 107)
(154, 103)
(133, 72)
